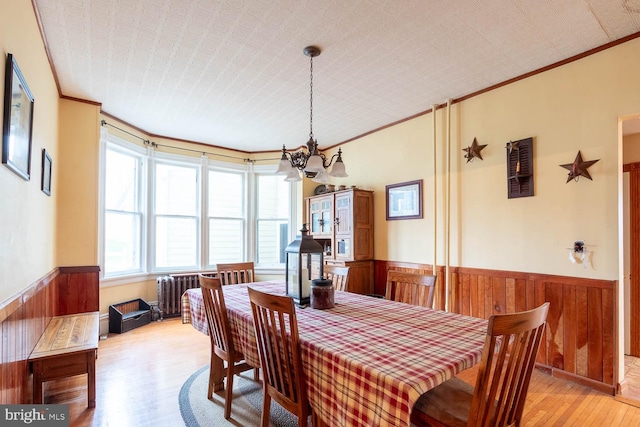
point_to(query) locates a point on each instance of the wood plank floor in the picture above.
(139, 375)
(630, 392)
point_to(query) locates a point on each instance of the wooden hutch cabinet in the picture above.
(343, 223)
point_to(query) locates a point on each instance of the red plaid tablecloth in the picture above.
(367, 360)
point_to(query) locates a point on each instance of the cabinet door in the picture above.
(344, 213)
(344, 248)
(321, 215)
(326, 205)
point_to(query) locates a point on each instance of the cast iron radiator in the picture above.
(171, 288)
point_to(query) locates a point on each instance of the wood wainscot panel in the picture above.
(78, 290)
(24, 317)
(581, 340)
(22, 320)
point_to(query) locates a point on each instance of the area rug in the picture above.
(246, 408)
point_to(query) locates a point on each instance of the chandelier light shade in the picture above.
(310, 163)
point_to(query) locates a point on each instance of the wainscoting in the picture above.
(581, 333)
(23, 318)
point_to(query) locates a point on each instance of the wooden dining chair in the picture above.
(276, 325)
(502, 383)
(410, 288)
(338, 275)
(221, 338)
(237, 272)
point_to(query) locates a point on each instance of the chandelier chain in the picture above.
(311, 100)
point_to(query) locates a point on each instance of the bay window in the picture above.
(200, 212)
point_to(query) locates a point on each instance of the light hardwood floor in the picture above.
(630, 392)
(139, 375)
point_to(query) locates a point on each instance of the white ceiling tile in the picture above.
(232, 73)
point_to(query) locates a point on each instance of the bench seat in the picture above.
(68, 346)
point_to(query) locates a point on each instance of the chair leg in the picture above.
(256, 374)
(229, 391)
(210, 391)
(266, 408)
(303, 417)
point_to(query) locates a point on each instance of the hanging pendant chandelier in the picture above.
(310, 162)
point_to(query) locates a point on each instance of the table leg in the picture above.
(316, 421)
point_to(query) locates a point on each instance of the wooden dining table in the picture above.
(367, 360)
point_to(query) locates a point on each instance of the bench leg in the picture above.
(37, 387)
(91, 378)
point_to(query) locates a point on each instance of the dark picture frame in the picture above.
(45, 185)
(404, 200)
(18, 121)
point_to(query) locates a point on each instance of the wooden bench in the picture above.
(68, 346)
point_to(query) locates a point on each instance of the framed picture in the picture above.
(45, 186)
(18, 121)
(404, 200)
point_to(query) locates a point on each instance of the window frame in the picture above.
(262, 171)
(203, 164)
(179, 161)
(111, 142)
(217, 166)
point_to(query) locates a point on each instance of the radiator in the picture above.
(170, 290)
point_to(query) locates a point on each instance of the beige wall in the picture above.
(27, 215)
(78, 171)
(570, 108)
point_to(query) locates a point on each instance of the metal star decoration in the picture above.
(473, 151)
(578, 168)
(513, 146)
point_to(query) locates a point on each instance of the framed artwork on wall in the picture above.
(18, 121)
(404, 200)
(45, 185)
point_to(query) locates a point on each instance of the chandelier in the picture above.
(310, 162)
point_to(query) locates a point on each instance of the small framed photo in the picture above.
(46, 173)
(404, 200)
(18, 121)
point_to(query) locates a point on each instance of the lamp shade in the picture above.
(293, 176)
(314, 164)
(304, 263)
(338, 170)
(284, 167)
(321, 177)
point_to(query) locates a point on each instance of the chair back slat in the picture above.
(338, 275)
(276, 328)
(508, 358)
(410, 288)
(235, 273)
(216, 312)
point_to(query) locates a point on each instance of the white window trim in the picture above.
(214, 165)
(156, 158)
(128, 148)
(149, 156)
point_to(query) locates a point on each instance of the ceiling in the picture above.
(232, 73)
